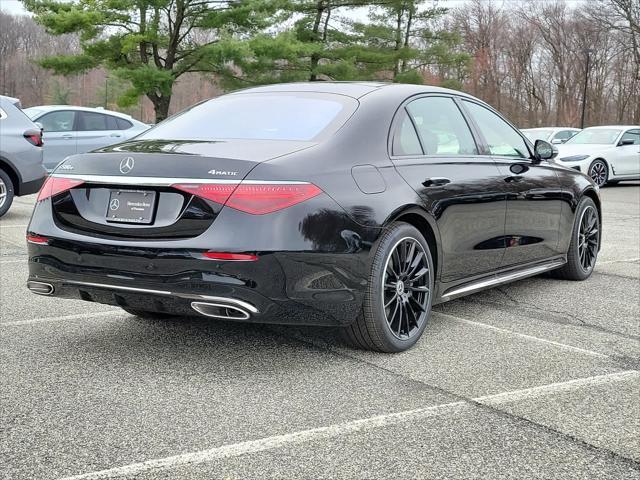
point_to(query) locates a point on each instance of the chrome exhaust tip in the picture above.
(223, 310)
(40, 288)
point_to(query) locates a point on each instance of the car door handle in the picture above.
(117, 135)
(67, 136)
(436, 181)
(514, 178)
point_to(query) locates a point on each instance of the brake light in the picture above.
(37, 239)
(230, 257)
(216, 192)
(55, 185)
(34, 137)
(253, 198)
(261, 198)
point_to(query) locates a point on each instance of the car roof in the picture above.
(12, 100)
(49, 108)
(350, 89)
(550, 128)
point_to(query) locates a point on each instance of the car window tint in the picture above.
(265, 116)
(632, 135)
(442, 128)
(123, 124)
(61, 121)
(405, 138)
(90, 121)
(502, 139)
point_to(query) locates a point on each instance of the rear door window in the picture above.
(405, 138)
(60, 121)
(90, 121)
(123, 124)
(441, 127)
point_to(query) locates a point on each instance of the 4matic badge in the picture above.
(222, 172)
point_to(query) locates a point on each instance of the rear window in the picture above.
(274, 116)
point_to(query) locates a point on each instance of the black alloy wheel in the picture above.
(406, 288)
(589, 236)
(599, 172)
(397, 303)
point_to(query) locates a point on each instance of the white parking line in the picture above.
(522, 335)
(24, 260)
(62, 318)
(13, 226)
(332, 431)
(624, 260)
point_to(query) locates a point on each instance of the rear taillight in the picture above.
(255, 198)
(34, 137)
(55, 185)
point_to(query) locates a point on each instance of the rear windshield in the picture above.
(273, 116)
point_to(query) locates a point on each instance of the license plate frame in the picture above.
(131, 206)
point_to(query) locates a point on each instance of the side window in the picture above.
(502, 138)
(632, 135)
(123, 124)
(90, 121)
(61, 121)
(441, 126)
(405, 138)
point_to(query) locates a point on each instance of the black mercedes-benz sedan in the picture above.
(354, 205)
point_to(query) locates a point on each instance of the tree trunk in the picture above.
(160, 105)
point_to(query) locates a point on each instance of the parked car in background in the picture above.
(553, 135)
(608, 154)
(69, 130)
(21, 170)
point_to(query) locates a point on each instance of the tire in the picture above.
(599, 172)
(408, 306)
(6, 192)
(579, 266)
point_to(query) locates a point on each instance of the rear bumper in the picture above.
(302, 288)
(29, 188)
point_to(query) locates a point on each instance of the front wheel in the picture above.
(585, 243)
(397, 303)
(599, 172)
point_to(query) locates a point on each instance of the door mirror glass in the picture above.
(544, 150)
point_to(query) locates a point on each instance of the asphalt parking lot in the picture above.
(537, 379)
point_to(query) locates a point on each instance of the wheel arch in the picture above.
(13, 174)
(426, 224)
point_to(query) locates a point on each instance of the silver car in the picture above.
(21, 170)
(69, 130)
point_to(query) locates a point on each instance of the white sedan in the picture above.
(607, 154)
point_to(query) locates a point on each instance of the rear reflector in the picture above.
(253, 198)
(37, 239)
(55, 185)
(230, 257)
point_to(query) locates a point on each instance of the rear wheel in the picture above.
(599, 172)
(397, 303)
(6, 192)
(585, 243)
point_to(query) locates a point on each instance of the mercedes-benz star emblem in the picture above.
(126, 165)
(115, 203)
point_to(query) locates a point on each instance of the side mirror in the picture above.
(626, 141)
(544, 150)
(556, 141)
